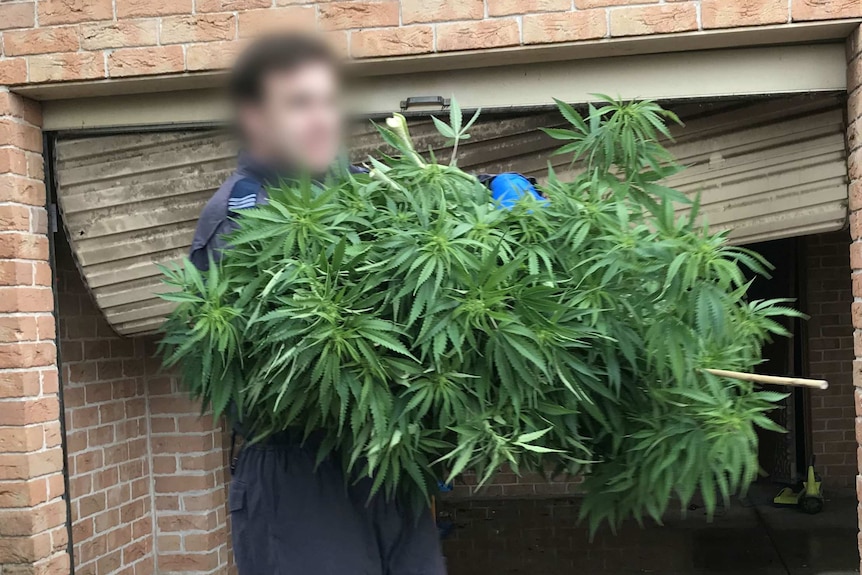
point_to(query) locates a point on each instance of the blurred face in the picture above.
(298, 122)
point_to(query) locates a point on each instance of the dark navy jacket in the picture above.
(245, 188)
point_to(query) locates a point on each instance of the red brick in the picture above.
(167, 503)
(26, 549)
(856, 256)
(23, 493)
(854, 130)
(854, 104)
(259, 22)
(53, 433)
(143, 8)
(16, 273)
(31, 465)
(509, 7)
(136, 551)
(230, 5)
(345, 15)
(22, 108)
(564, 27)
(19, 384)
(195, 424)
(856, 225)
(392, 41)
(207, 462)
(829, 343)
(89, 550)
(662, 19)
(205, 28)
(144, 61)
(587, 4)
(733, 13)
(13, 70)
(110, 563)
(854, 165)
(164, 465)
(826, 9)
(18, 328)
(22, 246)
(169, 543)
(73, 11)
(42, 274)
(15, 217)
(198, 502)
(473, 36)
(57, 564)
(132, 511)
(28, 412)
(13, 161)
(182, 444)
(35, 162)
(21, 439)
(26, 299)
(18, 355)
(198, 542)
(17, 15)
(20, 134)
(122, 34)
(414, 11)
(183, 562)
(41, 41)
(92, 504)
(213, 56)
(187, 522)
(855, 194)
(63, 67)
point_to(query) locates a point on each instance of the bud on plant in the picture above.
(398, 124)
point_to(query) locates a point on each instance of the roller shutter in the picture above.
(767, 169)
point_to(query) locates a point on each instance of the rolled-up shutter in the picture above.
(130, 203)
(768, 169)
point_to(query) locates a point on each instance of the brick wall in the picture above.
(830, 356)
(146, 482)
(57, 40)
(33, 535)
(188, 479)
(854, 164)
(107, 434)
(509, 485)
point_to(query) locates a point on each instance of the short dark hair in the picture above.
(273, 54)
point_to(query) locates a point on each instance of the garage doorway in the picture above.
(772, 169)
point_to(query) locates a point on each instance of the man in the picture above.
(288, 516)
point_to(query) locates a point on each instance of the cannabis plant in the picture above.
(422, 332)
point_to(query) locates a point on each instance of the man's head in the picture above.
(286, 91)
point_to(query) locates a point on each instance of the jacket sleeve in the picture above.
(216, 220)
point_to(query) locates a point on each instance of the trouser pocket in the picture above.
(243, 551)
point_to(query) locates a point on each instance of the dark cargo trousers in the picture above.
(289, 519)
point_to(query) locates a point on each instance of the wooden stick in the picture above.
(771, 379)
